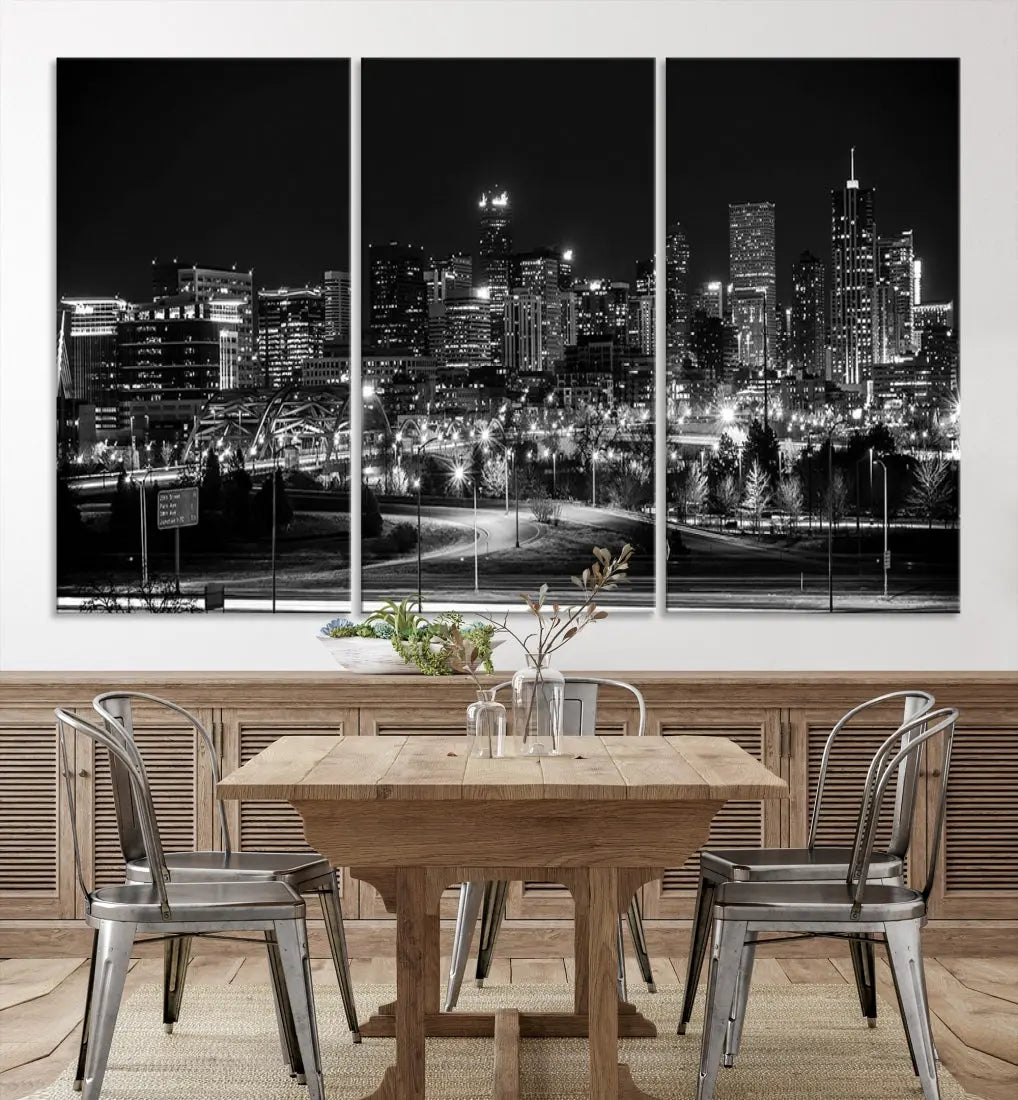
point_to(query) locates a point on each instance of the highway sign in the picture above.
(176, 508)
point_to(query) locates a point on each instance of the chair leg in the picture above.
(79, 1073)
(340, 958)
(113, 957)
(471, 896)
(702, 923)
(901, 1011)
(492, 912)
(620, 953)
(284, 1017)
(635, 918)
(726, 955)
(176, 956)
(737, 1017)
(904, 947)
(865, 977)
(292, 938)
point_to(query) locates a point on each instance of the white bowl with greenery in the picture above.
(396, 640)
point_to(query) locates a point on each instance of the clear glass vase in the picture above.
(538, 693)
(486, 725)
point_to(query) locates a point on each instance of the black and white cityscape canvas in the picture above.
(203, 325)
(508, 325)
(812, 334)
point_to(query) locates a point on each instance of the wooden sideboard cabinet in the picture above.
(783, 719)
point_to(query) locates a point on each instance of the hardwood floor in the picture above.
(974, 1001)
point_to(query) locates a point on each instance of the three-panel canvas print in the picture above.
(502, 384)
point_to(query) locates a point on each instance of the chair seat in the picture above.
(293, 868)
(790, 864)
(198, 902)
(815, 902)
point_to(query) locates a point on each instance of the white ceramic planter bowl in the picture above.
(367, 656)
(371, 656)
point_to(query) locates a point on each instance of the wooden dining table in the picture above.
(415, 814)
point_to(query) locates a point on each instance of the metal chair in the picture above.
(304, 872)
(579, 716)
(119, 913)
(857, 907)
(812, 863)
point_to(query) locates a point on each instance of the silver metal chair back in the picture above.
(116, 710)
(579, 703)
(904, 750)
(125, 756)
(916, 705)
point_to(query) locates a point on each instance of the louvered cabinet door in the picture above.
(36, 856)
(738, 824)
(180, 776)
(977, 876)
(276, 826)
(846, 774)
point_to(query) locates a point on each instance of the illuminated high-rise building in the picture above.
(398, 298)
(708, 298)
(337, 306)
(809, 314)
(495, 260)
(753, 271)
(459, 333)
(538, 272)
(522, 332)
(291, 331)
(206, 283)
(89, 328)
(565, 269)
(452, 277)
(895, 268)
(676, 295)
(854, 277)
(645, 277)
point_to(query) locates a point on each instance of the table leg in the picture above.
(602, 987)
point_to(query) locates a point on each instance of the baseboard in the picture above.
(530, 939)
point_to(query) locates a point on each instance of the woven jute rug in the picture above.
(801, 1042)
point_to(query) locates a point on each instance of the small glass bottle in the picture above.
(538, 697)
(486, 725)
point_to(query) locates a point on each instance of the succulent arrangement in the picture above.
(443, 645)
(433, 646)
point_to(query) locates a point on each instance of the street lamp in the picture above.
(887, 554)
(459, 475)
(593, 479)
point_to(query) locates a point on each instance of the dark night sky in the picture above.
(215, 161)
(781, 130)
(572, 140)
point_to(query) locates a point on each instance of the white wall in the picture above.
(984, 34)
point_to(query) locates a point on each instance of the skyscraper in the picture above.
(291, 330)
(809, 311)
(676, 295)
(452, 277)
(895, 270)
(708, 298)
(854, 264)
(522, 328)
(337, 306)
(753, 272)
(89, 327)
(460, 333)
(538, 272)
(495, 256)
(207, 283)
(398, 298)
